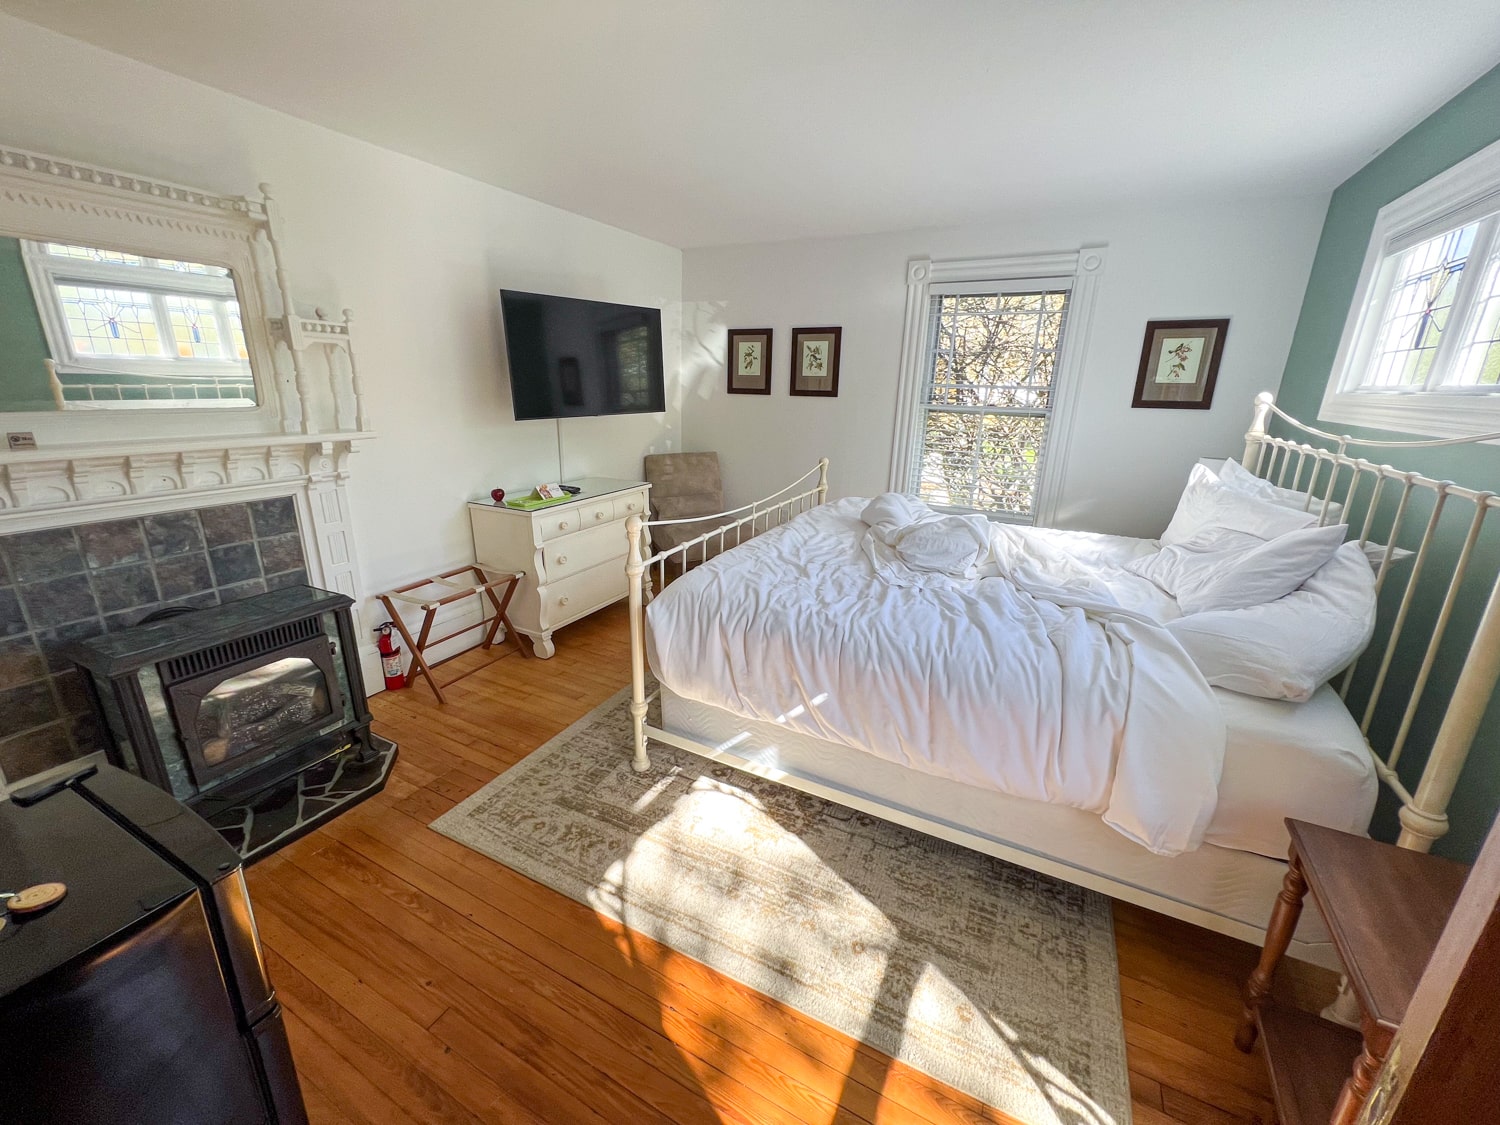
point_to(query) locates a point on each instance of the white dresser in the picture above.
(573, 553)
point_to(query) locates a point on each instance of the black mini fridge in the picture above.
(143, 995)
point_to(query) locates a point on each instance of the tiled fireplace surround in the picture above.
(67, 583)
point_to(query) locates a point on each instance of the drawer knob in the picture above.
(562, 560)
(562, 600)
(598, 515)
(632, 506)
(562, 525)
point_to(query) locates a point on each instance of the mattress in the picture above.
(1307, 761)
(1302, 760)
(1296, 760)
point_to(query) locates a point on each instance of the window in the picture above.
(988, 398)
(1421, 346)
(124, 327)
(982, 424)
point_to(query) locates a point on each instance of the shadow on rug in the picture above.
(995, 980)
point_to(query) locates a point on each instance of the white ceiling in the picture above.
(701, 122)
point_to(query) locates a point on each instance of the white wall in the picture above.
(1245, 260)
(419, 255)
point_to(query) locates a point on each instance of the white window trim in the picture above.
(1080, 270)
(45, 271)
(1468, 186)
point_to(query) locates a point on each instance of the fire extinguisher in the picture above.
(390, 659)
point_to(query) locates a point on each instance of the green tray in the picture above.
(532, 503)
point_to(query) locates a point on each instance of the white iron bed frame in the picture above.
(1236, 894)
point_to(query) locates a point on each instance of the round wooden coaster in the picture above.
(36, 898)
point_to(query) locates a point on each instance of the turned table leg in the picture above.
(1377, 1043)
(1284, 916)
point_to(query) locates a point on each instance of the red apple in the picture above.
(498, 495)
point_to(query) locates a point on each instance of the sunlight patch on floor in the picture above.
(768, 901)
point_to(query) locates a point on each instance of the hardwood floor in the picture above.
(424, 982)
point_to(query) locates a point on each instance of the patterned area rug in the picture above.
(998, 981)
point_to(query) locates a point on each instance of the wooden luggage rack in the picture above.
(498, 588)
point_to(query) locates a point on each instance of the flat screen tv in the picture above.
(575, 359)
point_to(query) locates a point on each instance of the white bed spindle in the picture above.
(1423, 813)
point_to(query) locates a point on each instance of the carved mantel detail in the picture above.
(53, 488)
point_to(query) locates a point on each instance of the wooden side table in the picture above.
(488, 585)
(1385, 908)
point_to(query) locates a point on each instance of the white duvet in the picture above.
(1034, 682)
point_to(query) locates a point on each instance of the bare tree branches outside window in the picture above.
(988, 399)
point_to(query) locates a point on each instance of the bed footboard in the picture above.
(737, 524)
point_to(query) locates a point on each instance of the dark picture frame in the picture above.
(814, 348)
(1180, 364)
(752, 346)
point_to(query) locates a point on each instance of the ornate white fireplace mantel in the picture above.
(60, 487)
(309, 410)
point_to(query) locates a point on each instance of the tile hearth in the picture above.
(300, 803)
(68, 584)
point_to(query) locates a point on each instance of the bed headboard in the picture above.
(1427, 598)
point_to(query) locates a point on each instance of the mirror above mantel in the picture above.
(90, 328)
(137, 311)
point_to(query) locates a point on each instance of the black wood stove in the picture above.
(252, 713)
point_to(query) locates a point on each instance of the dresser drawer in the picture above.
(582, 593)
(631, 505)
(573, 553)
(597, 513)
(559, 521)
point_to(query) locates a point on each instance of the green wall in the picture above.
(1461, 127)
(23, 379)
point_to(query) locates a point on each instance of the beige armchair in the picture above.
(684, 485)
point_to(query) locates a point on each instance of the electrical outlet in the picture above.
(21, 439)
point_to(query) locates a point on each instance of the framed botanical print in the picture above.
(749, 361)
(1180, 363)
(815, 361)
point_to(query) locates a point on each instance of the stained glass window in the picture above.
(109, 321)
(195, 327)
(1478, 362)
(1435, 314)
(988, 398)
(94, 254)
(236, 330)
(1417, 310)
(127, 327)
(120, 258)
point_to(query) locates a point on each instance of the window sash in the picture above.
(977, 478)
(1469, 301)
(158, 284)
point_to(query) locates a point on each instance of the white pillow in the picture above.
(1234, 475)
(1206, 502)
(1285, 649)
(1232, 570)
(1192, 562)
